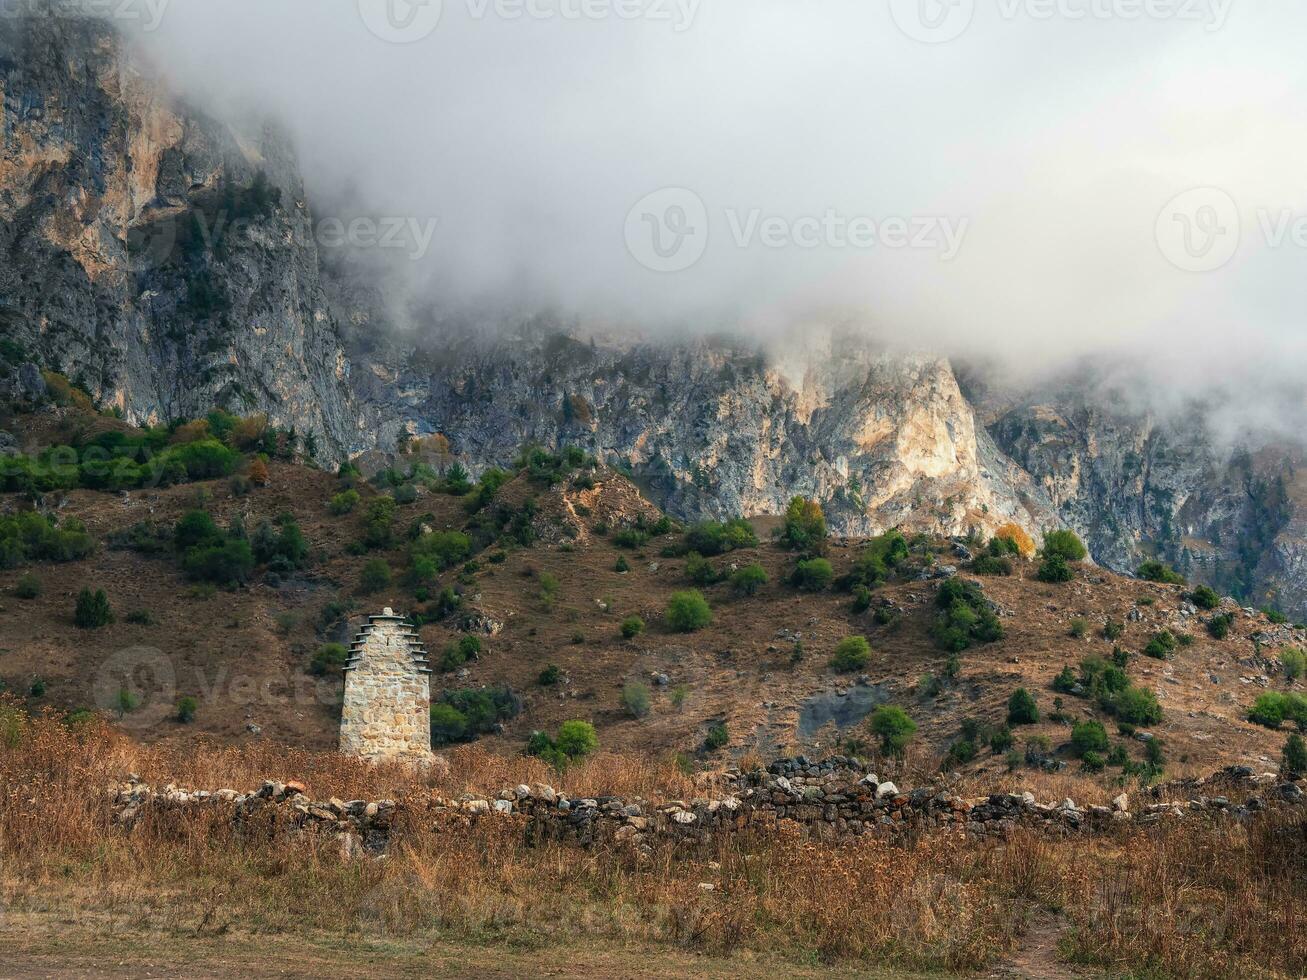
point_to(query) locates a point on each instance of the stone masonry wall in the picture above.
(387, 708)
(830, 801)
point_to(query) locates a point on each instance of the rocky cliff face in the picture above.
(154, 254)
(168, 262)
(1138, 485)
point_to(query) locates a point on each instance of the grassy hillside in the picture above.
(553, 561)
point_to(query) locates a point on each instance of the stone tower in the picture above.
(387, 709)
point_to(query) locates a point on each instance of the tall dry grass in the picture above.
(1183, 899)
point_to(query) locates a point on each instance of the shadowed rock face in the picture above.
(136, 258)
(168, 262)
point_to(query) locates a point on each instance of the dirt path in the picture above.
(54, 947)
(1037, 957)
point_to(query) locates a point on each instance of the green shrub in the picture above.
(749, 579)
(622, 565)
(1274, 615)
(677, 696)
(28, 586)
(635, 699)
(1113, 629)
(813, 574)
(714, 538)
(1293, 759)
(893, 727)
(632, 626)
(688, 611)
(877, 560)
(1272, 708)
(1021, 708)
(140, 617)
(1079, 627)
(92, 611)
(966, 618)
(861, 598)
(329, 659)
(699, 570)
(1092, 761)
(379, 523)
(1156, 571)
(1064, 544)
(448, 725)
(551, 675)
(1001, 741)
(852, 653)
(992, 564)
(1293, 663)
(717, 737)
(1054, 568)
(1065, 681)
(804, 529)
(1088, 736)
(459, 652)
(1205, 597)
(196, 528)
(405, 493)
(576, 739)
(281, 547)
(374, 577)
(29, 536)
(1135, 706)
(228, 563)
(37, 688)
(1161, 645)
(344, 502)
(631, 538)
(1219, 626)
(186, 709)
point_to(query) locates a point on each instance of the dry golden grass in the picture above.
(1183, 899)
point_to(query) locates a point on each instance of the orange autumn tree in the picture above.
(1025, 544)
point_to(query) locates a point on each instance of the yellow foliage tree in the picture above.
(1024, 542)
(191, 432)
(258, 473)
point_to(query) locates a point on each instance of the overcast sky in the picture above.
(1032, 158)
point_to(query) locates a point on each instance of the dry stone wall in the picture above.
(828, 801)
(386, 712)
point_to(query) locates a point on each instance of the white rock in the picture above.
(503, 806)
(886, 789)
(1121, 804)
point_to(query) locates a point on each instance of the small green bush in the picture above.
(635, 699)
(1293, 663)
(329, 659)
(688, 611)
(551, 675)
(448, 725)
(140, 617)
(1205, 597)
(1136, 706)
(717, 738)
(893, 727)
(699, 570)
(577, 739)
(186, 709)
(375, 576)
(1079, 627)
(1065, 681)
(714, 538)
(852, 653)
(1293, 759)
(1272, 708)
(1156, 571)
(459, 652)
(1001, 741)
(1054, 568)
(1088, 736)
(1064, 544)
(813, 574)
(966, 617)
(344, 502)
(1092, 761)
(992, 564)
(861, 598)
(1219, 626)
(1161, 645)
(28, 587)
(622, 566)
(405, 493)
(749, 579)
(1113, 629)
(1021, 708)
(632, 626)
(93, 610)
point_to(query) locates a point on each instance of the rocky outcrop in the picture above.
(1137, 484)
(156, 255)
